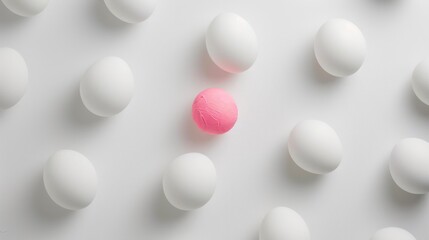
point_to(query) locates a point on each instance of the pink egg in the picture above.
(214, 111)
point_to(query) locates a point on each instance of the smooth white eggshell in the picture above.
(70, 179)
(315, 147)
(340, 47)
(26, 8)
(420, 82)
(283, 223)
(231, 43)
(13, 77)
(131, 11)
(107, 87)
(409, 165)
(189, 181)
(392, 233)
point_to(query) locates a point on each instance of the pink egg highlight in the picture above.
(214, 111)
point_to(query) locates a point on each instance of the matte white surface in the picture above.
(373, 110)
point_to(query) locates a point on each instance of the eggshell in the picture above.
(70, 179)
(231, 43)
(26, 8)
(283, 223)
(189, 181)
(131, 11)
(409, 165)
(340, 47)
(315, 147)
(13, 77)
(214, 111)
(392, 233)
(420, 82)
(107, 87)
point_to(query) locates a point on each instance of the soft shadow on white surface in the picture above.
(313, 79)
(8, 18)
(195, 135)
(420, 108)
(162, 212)
(384, 2)
(45, 209)
(4, 227)
(106, 19)
(397, 196)
(255, 236)
(321, 75)
(296, 175)
(5, 112)
(77, 113)
(208, 68)
(317, 73)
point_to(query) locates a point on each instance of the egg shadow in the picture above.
(45, 210)
(162, 212)
(7, 223)
(106, 18)
(7, 233)
(415, 103)
(255, 235)
(316, 72)
(397, 195)
(291, 173)
(384, 2)
(208, 68)
(9, 18)
(195, 136)
(78, 114)
(297, 175)
(3, 112)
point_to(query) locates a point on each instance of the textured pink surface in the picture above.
(214, 111)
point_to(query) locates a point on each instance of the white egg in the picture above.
(13, 77)
(70, 179)
(189, 181)
(283, 223)
(420, 81)
(231, 43)
(315, 147)
(26, 8)
(107, 87)
(340, 47)
(392, 233)
(409, 165)
(131, 11)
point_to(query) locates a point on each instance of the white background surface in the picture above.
(371, 111)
